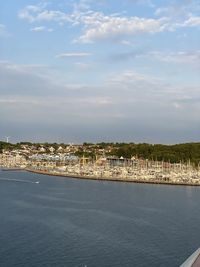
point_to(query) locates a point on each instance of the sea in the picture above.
(53, 221)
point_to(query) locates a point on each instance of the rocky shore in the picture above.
(116, 179)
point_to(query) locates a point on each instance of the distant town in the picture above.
(147, 163)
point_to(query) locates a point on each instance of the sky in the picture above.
(108, 70)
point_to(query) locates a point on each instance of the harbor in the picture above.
(105, 168)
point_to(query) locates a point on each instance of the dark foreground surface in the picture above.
(77, 223)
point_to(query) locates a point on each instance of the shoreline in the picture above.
(126, 180)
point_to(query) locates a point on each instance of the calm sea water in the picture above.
(78, 223)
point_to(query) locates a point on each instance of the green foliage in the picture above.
(87, 144)
(81, 154)
(5, 145)
(171, 153)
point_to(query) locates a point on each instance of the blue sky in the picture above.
(85, 70)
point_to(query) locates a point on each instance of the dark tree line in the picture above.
(171, 153)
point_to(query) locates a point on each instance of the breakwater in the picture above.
(115, 179)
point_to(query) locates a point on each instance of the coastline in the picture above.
(121, 179)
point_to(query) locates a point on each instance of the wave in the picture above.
(19, 181)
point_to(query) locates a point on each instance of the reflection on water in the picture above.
(71, 222)
(18, 180)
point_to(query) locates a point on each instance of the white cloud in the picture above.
(142, 88)
(129, 96)
(181, 14)
(82, 5)
(41, 29)
(133, 80)
(38, 29)
(182, 8)
(99, 26)
(180, 57)
(3, 31)
(73, 54)
(38, 13)
(192, 21)
(83, 66)
(96, 25)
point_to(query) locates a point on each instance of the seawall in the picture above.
(115, 179)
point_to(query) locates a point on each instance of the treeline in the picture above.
(168, 153)
(172, 153)
(8, 146)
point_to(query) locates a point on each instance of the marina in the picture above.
(105, 168)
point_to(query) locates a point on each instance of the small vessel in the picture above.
(193, 260)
